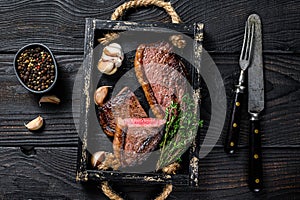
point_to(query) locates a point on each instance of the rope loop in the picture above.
(139, 3)
(144, 3)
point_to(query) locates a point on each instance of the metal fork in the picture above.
(245, 57)
(246, 51)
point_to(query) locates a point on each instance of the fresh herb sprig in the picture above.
(172, 122)
(181, 129)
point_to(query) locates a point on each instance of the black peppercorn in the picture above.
(35, 68)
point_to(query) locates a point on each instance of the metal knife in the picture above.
(231, 142)
(255, 106)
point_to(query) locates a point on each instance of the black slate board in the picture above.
(91, 137)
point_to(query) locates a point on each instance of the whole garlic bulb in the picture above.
(111, 59)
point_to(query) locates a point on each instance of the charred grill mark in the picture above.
(123, 135)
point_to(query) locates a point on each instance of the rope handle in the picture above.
(110, 161)
(108, 191)
(170, 169)
(139, 3)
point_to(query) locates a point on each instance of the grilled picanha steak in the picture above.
(135, 138)
(161, 75)
(124, 105)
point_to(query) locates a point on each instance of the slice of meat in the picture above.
(161, 75)
(136, 138)
(124, 105)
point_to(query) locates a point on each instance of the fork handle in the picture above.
(255, 160)
(232, 138)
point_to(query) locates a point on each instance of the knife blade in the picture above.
(255, 106)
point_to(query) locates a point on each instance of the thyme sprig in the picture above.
(181, 128)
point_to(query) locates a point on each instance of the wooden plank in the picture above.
(280, 120)
(281, 115)
(50, 174)
(18, 106)
(221, 173)
(60, 24)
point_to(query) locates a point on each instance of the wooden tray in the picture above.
(91, 137)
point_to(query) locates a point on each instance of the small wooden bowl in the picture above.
(53, 62)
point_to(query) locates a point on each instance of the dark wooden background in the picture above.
(43, 165)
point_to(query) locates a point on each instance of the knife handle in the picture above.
(232, 138)
(255, 159)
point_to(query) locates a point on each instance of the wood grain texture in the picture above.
(18, 106)
(282, 106)
(60, 24)
(50, 173)
(280, 119)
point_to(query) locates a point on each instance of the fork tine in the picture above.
(251, 40)
(244, 41)
(247, 43)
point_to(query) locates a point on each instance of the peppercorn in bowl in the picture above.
(36, 68)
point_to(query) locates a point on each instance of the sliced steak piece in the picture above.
(161, 74)
(124, 105)
(136, 138)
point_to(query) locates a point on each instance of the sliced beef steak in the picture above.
(124, 105)
(136, 138)
(161, 74)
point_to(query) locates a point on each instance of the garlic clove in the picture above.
(49, 99)
(100, 95)
(107, 58)
(35, 124)
(115, 45)
(118, 62)
(105, 66)
(114, 50)
(111, 59)
(98, 158)
(114, 70)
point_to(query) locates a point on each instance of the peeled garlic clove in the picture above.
(116, 60)
(105, 66)
(98, 158)
(49, 99)
(111, 58)
(35, 124)
(114, 50)
(114, 70)
(119, 62)
(115, 45)
(107, 58)
(100, 95)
